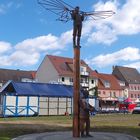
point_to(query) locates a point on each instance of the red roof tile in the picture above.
(127, 74)
(33, 73)
(15, 75)
(109, 78)
(64, 65)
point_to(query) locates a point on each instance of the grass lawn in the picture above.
(12, 127)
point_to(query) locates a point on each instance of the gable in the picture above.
(46, 71)
(64, 65)
(129, 75)
(108, 81)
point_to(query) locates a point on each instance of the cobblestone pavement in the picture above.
(68, 136)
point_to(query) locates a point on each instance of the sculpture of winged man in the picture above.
(66, 12)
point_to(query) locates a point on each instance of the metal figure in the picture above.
(77, 18)
(66, 12)
(85, 109)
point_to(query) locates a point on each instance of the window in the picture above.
(63, 79)
(131, 95)
(82, 80)
(92, 81)
(0, 99)
(110, 94)
(106, 84)
(0, 85)
(122, 83)
(71, 79)
(86, 80)
(114, 94)
(82, 69)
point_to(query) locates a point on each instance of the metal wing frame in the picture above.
(58, 7)
(97, 15)
(63, 10)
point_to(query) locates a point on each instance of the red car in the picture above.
(128, 107)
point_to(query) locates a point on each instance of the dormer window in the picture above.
(107, 84)
(122, 83)
(83, 69)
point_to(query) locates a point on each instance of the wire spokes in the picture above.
(58, 7)
(53, 5)
(99, 14)
(63, 10)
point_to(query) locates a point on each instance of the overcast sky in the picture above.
(28, 33)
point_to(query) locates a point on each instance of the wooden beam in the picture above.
(76, 94)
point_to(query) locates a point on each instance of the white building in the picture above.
(55, 69)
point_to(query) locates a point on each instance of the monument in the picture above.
(65, 13)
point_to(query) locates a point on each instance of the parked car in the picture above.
(136, 109)
(126, 107)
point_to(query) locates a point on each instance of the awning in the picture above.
(128, 100)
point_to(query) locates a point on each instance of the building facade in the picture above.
(55, 69)
(131, 78)
(109, 91)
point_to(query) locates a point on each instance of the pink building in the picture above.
(109, 90)
(131, 78)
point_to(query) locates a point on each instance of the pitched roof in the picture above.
(36, 89)
(64, 65)
(15, 75)
(109, 79)
(130, 75)
(94, 74)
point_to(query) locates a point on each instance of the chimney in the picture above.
(113, 67)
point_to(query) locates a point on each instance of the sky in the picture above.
(28, 33)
